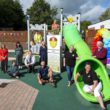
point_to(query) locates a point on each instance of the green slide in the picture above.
(73, 37)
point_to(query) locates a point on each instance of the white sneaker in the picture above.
(69, 84)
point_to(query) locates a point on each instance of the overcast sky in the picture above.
(89, 9)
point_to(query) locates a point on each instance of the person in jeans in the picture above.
(69, 61)
(30, 62)
(19, 54)
(14, 70)
(92, 83)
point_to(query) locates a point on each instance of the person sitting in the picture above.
(92, 83)
(45, 74)
(101, 53)
(14, 71)
(30, 62)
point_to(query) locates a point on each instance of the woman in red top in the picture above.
(1, 53)
(4, 63)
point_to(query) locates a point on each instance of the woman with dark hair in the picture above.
(43, 52)
(19, 54)
(4, 63)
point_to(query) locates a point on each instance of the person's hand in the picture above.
(77, 58)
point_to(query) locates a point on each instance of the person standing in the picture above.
(70, 61)
(101, 53)
(43, 52)
(4, 63)
(1, 56)
(19, 54)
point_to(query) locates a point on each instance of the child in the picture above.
(14, 71)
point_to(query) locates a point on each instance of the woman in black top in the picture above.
(19, 54)
(92, 83)
(43, 52)
(69, 61)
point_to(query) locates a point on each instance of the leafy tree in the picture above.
(41, 12)
(85, 24)
(11, 15)
(105, 15)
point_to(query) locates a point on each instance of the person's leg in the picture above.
(28, 68)
(69, 74)
(50, 75)
(88, 89)
(39, 79)
(33, 68)
(3, 66)
(97, 94)
(17, 60)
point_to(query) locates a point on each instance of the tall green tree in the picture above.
(11, 15)
(41, 12)
(105, 15)
(85, 24)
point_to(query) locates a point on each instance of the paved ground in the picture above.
(17, 96)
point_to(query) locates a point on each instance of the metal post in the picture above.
(44, 32)
(28, 29)
(61, 21)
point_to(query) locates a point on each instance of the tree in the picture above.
(85, 24)
(41, 12)
(105, 15)
(11, 15)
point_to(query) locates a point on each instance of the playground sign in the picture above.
(54, 52)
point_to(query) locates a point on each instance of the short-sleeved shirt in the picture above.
(88, 78)
(43, 71)
(70, 58)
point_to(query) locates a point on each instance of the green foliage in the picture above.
(85, 24)
(11, 15)
(105, 15)
(41, 12)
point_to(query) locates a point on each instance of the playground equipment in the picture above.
(72, 37)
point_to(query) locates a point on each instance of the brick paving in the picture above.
(17, 96)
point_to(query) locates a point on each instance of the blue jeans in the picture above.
(70, 72)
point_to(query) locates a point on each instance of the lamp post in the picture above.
(61, 21)
(28, 29)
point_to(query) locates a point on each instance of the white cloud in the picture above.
(89, 9)
(93, 13)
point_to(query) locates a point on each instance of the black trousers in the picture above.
(4, 65)
(31, 68)
(13, 74)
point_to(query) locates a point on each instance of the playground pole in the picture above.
(28, 29)
(44, 32)
(61, 21)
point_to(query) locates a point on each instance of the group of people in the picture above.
(92, 83)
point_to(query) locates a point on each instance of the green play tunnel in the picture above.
(73, 37)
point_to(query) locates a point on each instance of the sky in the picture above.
(89, 9)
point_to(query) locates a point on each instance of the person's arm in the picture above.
(95, 82)
(76, 77)
(33, 60)
(25, 61)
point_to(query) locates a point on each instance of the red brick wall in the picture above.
(11, 37)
